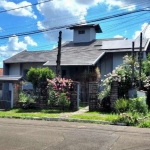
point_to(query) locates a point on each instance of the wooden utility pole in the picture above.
(58, 69)
(140, 62)
(133, 60)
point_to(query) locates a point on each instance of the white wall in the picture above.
(87, 37)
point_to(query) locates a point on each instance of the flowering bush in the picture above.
(60, 89)
(122, 74)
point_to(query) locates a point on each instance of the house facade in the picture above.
(82, 54)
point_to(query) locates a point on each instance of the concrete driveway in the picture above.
(16, 134)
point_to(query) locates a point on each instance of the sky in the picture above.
(53, 14)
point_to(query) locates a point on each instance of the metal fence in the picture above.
(5, 100)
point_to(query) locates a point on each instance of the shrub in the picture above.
(121, 105)
(27, 100)
(53, 98)
(128, 119)
(36, 75)
(138, 105)
(144, 124)
(59, 91)
(63, 100)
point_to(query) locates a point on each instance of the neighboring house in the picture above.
(85, 52)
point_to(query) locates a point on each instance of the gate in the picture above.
(89, 95)
(5, 100)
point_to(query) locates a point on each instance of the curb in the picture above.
(66, 120)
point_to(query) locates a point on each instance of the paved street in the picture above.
(16, 134)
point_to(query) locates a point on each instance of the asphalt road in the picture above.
(16, 134)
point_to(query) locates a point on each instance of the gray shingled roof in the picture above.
(77, 54)
(6, 78)
(96, 26)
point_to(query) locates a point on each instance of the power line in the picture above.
(95, 12)
(3, 11)
(67, 26)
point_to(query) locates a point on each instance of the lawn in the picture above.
(96, 116)
(47, 113)
(22, 113)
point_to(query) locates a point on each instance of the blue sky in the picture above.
(57, 13)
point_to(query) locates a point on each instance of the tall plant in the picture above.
(36, 75)
(59, 91)
(123, 74)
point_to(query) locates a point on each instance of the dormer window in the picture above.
(81, 32)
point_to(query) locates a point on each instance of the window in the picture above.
(25, 73)
(81, 32)
(64, 73)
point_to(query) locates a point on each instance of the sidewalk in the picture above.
(80, 111)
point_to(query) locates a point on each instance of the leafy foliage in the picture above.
(128, 119)
(121, 105)
(59, 91)
(122, 74)
(63, 100)
(137, 105)
(36, 75)
(53, 98)
(26, 98)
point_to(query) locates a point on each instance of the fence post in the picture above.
(113, 93)
(75, 96)
(93, 95)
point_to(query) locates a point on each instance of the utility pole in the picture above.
(133, 60)
(140, 61)
(58, 69)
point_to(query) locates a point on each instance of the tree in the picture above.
(36, 75)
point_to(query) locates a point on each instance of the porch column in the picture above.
(12, 94)
(15, 93)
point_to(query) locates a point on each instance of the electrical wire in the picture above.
(3, 11)
(68, 26)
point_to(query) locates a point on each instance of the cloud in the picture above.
(118, 36)
(145, 29)
(14, 46)
(26, 11)
(1, 29)
(63, 12)
(28, 40)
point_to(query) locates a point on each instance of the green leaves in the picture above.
(36, 75)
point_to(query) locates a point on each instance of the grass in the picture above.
(30, 113)
(95, 116)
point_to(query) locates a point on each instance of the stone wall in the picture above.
(113, 93)
(93, 96)
(17, 87)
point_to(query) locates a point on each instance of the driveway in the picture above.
(17, 134)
